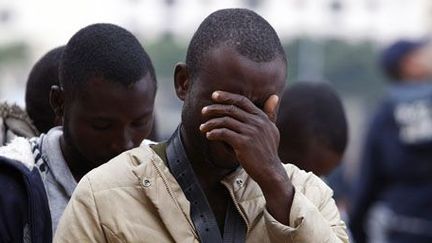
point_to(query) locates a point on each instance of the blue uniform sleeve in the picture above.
(366, 184)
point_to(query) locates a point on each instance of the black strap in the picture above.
(235, 228)
(200, 211)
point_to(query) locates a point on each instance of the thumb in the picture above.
(270, 107)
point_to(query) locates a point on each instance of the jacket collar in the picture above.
(162, 189)
(159, 185)
(246, 194)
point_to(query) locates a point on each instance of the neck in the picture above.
(208, 174)
(76, 162)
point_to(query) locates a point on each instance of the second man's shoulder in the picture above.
(122, 170)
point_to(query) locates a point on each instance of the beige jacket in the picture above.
(134, 198)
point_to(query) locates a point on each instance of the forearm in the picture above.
(308, 223)
(278, 193)
(313, 214)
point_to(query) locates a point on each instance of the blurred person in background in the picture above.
(314, 134)
(38, 117)
(105, 101)
(313, 127)
(44, 74)
(392, 195)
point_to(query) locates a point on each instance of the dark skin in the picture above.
(321, 160)
(315, 157)
(414, 67)
(104, 120)
(228, 120)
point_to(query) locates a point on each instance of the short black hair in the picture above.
(312, 112)
(242, 29)
(43, 75)
(104, 51)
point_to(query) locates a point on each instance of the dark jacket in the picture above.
(24, 210)
(396, 169)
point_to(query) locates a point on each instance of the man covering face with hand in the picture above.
(219, 177)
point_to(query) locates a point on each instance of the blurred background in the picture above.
(325, 40)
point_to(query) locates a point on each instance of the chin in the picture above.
(222, 155)
(96, 162)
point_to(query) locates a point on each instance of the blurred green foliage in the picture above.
(165, 53)
(351, 67)
(13, 53)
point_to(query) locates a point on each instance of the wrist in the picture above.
(277, 186)
(275, 181)
(278, 192)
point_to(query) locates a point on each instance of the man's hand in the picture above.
(254, 137)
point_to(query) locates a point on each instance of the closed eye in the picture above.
(101, 125)
(140, 123)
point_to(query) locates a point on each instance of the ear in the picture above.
(57, 101)
(181, 80)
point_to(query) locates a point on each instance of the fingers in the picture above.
(225, 122)
(270, 107)
(240, 101)
(235, 119)
(226, 135)
(219, 110)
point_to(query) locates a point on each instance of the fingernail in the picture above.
(204, 109)
(215, 95)
(201, 127)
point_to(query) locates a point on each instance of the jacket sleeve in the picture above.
(310, 221)
(80, 221)
(13, 206)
